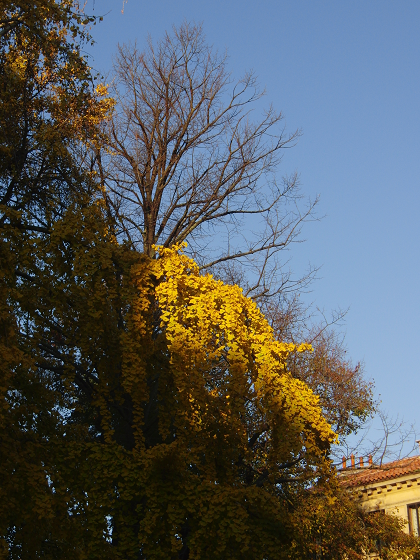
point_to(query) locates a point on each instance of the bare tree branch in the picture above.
(384, 438)
(185, 161)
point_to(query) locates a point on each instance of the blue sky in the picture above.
(348, 75)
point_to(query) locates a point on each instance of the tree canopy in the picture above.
(148, 409)
(184, 407)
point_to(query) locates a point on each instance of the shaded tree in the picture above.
(48, 115)
(48, 111)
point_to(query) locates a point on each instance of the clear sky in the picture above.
(348, 75)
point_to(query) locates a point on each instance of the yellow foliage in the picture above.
(224, 359)
(220, 424)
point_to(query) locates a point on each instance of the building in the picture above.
(392, 488)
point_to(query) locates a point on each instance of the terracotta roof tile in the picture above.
(373, 474)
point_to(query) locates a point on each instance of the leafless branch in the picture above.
(384, 438)
(186, 161)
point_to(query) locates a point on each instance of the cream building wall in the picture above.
(393, 488)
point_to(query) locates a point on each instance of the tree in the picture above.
(47, 110)
(185, 162)
(147, 409)
(345, 395)
(98, 415)
(189, 424)
(48, 114)
(220, 430)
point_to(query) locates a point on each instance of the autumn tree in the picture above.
(48, 113)
(187, 424)
(148, 410)
(136, 394)
(186, 158)
(346, 396)
(221, 430)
